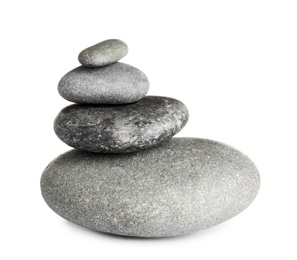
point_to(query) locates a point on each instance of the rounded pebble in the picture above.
(181, 186)
(119, 129)
(103, 53)
(117, 83)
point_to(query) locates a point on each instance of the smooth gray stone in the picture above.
(103, 53)
(183, 185)
(117, 83)
(119, 129)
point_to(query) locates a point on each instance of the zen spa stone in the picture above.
(120, 129)
(117, 83)
(103, 53)
(183, 185)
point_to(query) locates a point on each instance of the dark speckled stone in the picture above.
(183, 185)
(120, 129)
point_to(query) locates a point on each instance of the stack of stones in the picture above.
(127, 175)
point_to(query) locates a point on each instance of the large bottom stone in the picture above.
(183, 185)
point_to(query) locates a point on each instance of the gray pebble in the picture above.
(117, 83)
(119, 129)
(103, 53)
(183, 185)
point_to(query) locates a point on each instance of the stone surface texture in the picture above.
(118, 129)
(103, 53)
(117, 83)
(183, 185)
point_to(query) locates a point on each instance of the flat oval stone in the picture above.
(117, 83)
(103, 53)
(119, 129)
(181, 186)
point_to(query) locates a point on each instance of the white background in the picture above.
(233, 63)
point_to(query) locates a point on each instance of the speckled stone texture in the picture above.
(103, 53)
(119, 129)
(117, 83)
(183, 185)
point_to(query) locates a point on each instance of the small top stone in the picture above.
(103, 53)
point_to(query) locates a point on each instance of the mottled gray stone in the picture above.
(117, 83)
(118, 129)
(103, 53)
(183, 185)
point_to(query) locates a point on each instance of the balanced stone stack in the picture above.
(127, 175)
